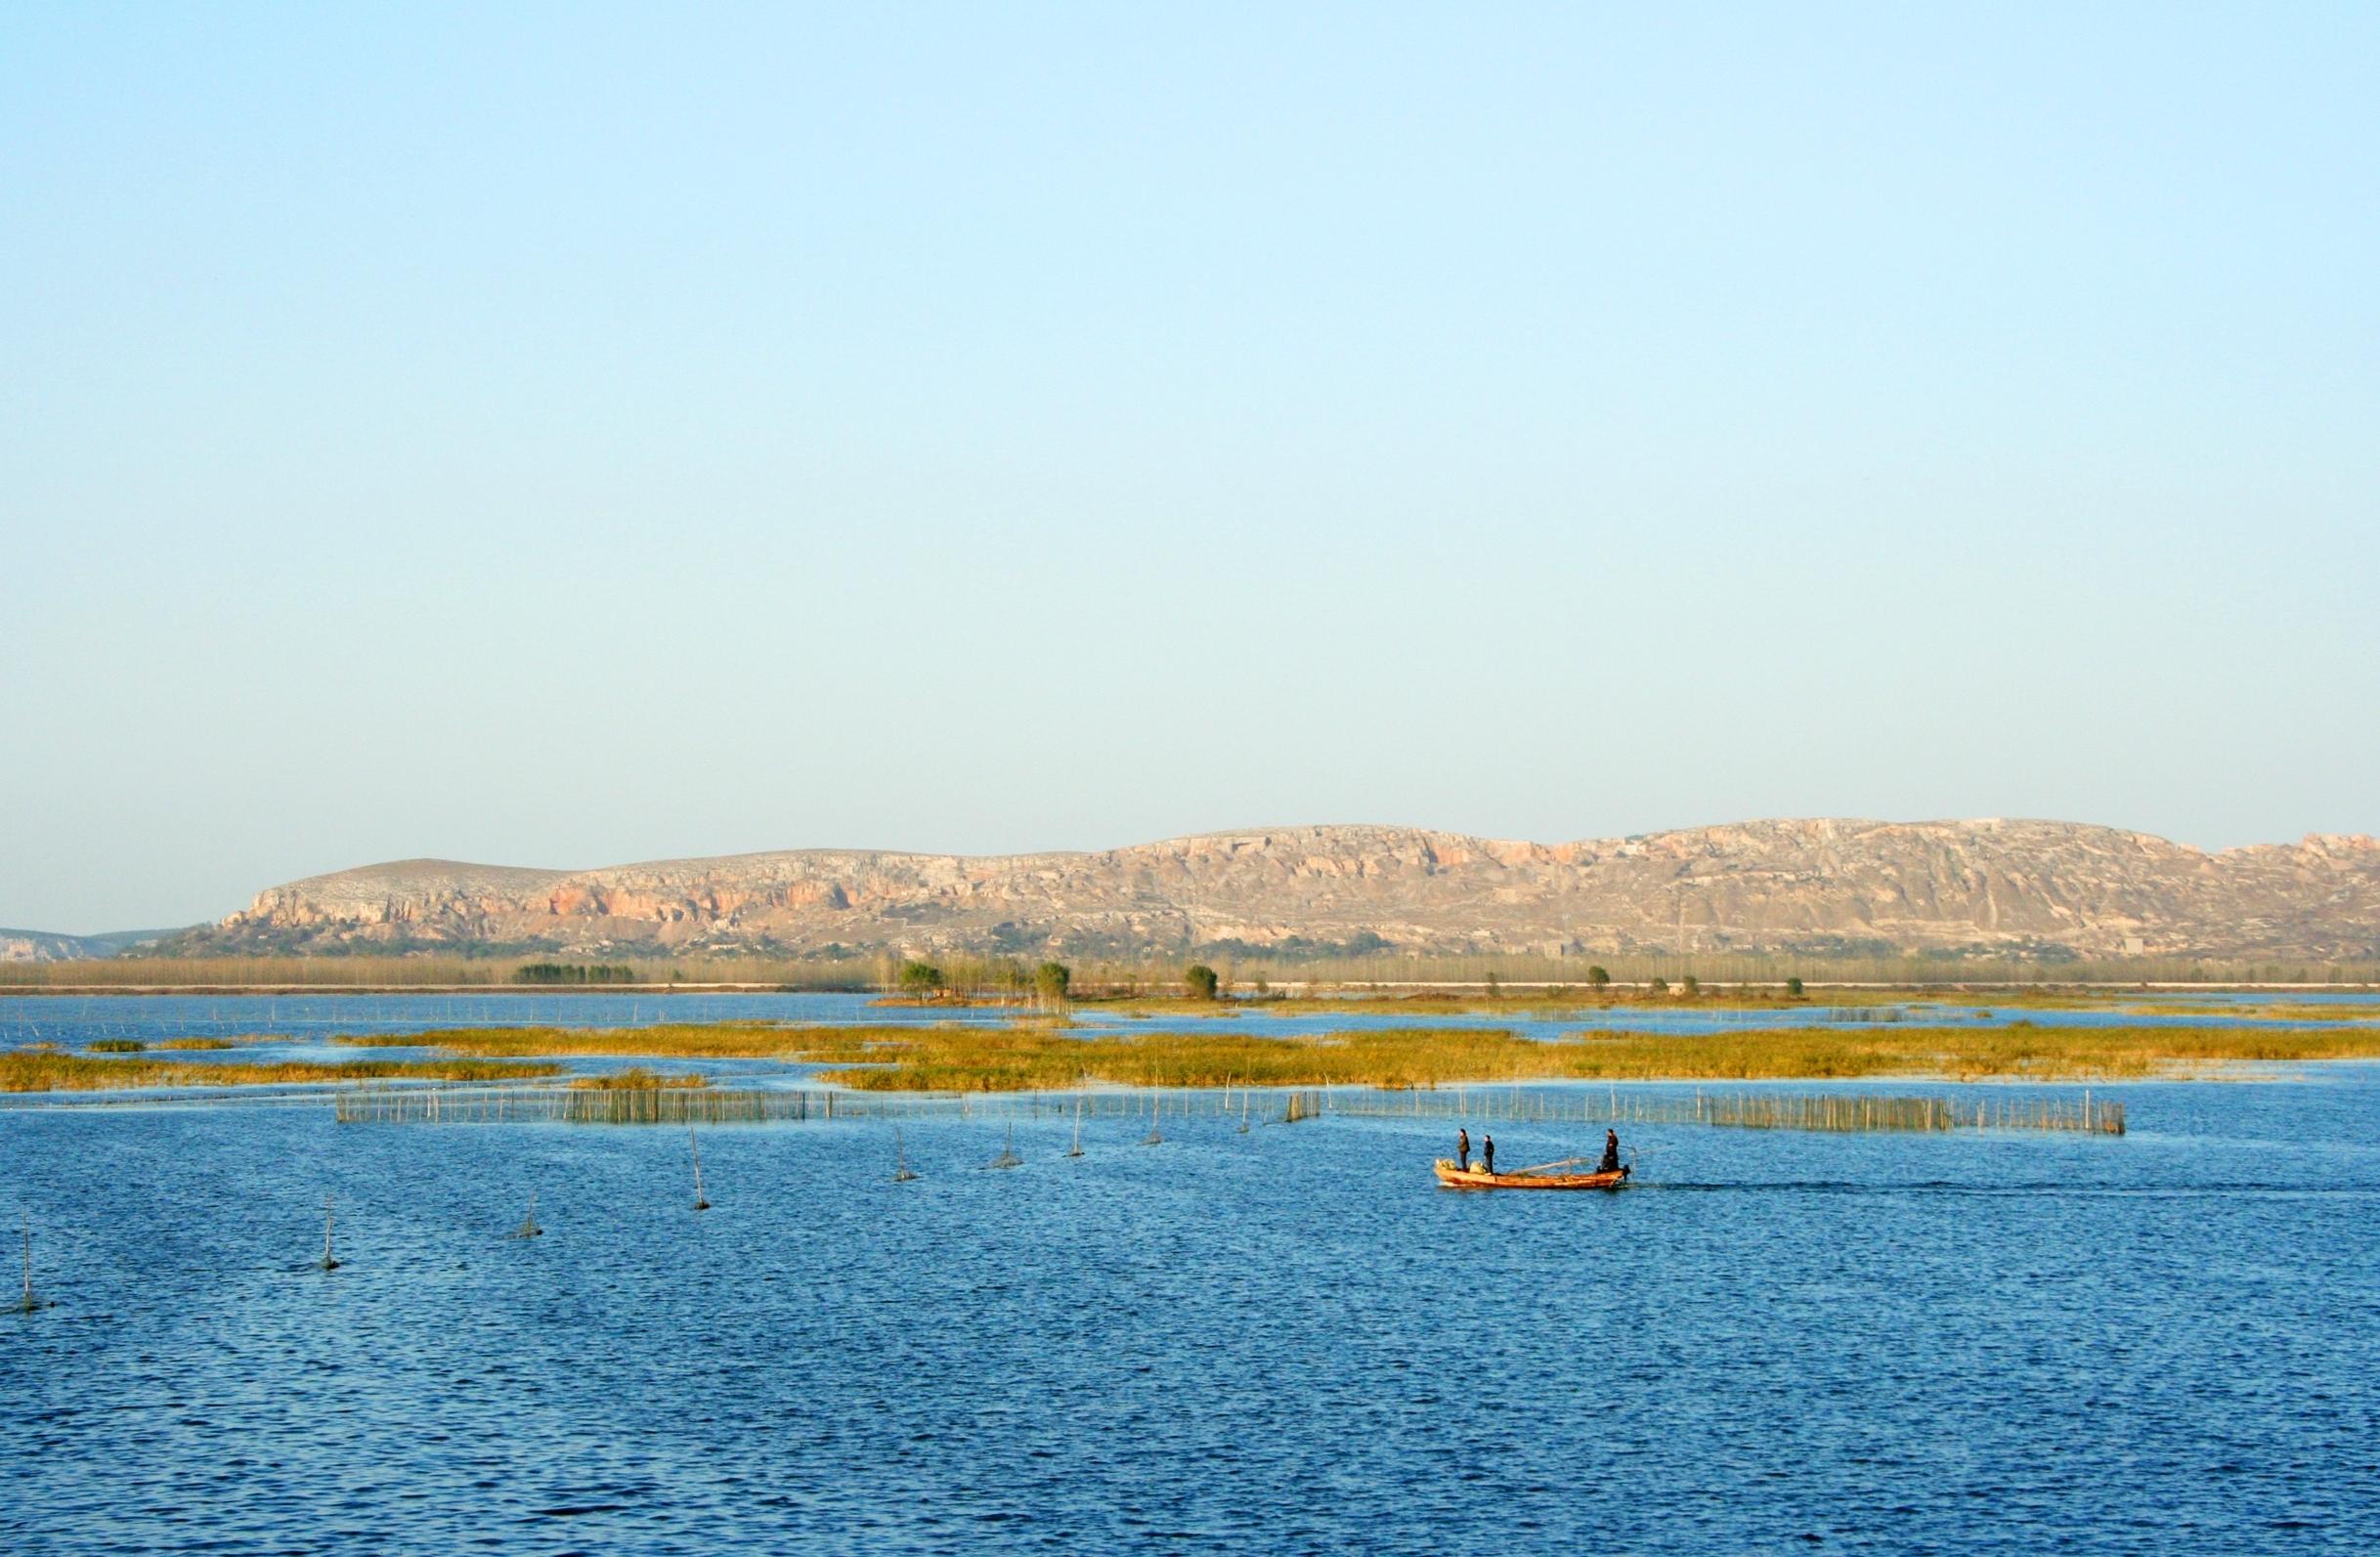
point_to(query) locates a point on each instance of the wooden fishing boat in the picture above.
(1540, 1177)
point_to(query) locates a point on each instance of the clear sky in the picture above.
(576, 434)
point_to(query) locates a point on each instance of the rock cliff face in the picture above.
(41, 946)
(2007, 888)
(48, 946)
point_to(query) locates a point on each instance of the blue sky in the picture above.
(565, 435)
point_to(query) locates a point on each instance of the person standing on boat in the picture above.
(1486, 1152)
(1611, 1152)
(1462, 1149)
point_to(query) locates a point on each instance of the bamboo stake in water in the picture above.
(330, 1261)
(901, 1159)
(529, 1228)
(700, 1201)
(30, 1302)
(1076, 1149)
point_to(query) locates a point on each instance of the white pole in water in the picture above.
(701, 1204)
(29, 1304)
(330, 1261)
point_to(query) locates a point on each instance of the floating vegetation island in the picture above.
(1017, 1057)
(1012, 1059)
(52, 1070)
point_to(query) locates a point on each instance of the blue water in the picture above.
(76, 1020)
(1284, 1341)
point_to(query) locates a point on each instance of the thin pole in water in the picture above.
(330, 1261)
(30, 1303)
(1077, 1149)
(700, 1201)
(901, 1159)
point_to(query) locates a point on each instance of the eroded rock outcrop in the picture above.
(2008, 887)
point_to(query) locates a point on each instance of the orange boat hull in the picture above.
(1454, 1178)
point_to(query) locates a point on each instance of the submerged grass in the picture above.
(32, 1071)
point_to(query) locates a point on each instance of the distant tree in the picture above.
(919, 979)
(1495, 985)
(1690, 985)
(1264, 989)
(1792, 987)
(1051, 981)
(1658, 984)
(1598, 977)
(1200, 981)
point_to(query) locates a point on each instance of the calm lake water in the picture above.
(77, 1020)
(1283, 1341)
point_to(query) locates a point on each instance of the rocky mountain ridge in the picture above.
(51, 946)
(2048, 890)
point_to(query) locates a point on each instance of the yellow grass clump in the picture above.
(2316, 1011)
(2018, 1051)
(676, 1040)
(34, 1070)
(961, 1059)
(636, 1078)
(1010, 1057)
(1584, 1001)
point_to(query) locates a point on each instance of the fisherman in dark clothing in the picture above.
(1462, 1149)
(1486, 1152)
(1611, 1152)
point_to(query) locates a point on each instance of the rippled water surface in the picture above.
(1286, 1340)
(77, 1020)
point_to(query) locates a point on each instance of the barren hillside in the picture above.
(2047, 889)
